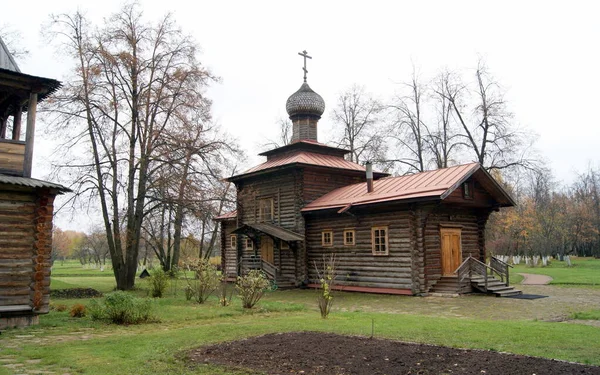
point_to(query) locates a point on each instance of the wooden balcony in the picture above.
(12, 157)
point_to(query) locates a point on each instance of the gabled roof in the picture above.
(304, 158)
(32, 182)
(227, 216)
(430, 185)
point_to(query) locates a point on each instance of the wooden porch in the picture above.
(474, 276)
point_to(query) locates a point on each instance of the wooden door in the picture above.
(451, 250)
(266, 249)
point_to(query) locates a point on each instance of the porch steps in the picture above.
(449, 286)
(446, 286)
(495, 286)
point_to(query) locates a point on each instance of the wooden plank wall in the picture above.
(12, 155)
(318, 183)
(25, 248)
(469, 220)
(229, 257)
(356, 265)
(284, 189)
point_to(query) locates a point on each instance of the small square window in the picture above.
(379, 238)
(232, 241)
(327, 238)
(349, 235)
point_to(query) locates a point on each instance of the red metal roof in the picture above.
(227, 216)
(307, 158)
(430, 184)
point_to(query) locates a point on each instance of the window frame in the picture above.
(468, 190)
(248, 242)
(330, 233)
(232, 241)
(353, 231)
(261, 212)
(284, 245)
(386, 242)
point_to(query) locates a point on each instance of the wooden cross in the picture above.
(305, 55)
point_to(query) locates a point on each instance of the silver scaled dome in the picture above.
(305, 102)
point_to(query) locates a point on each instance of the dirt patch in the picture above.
(325, 353)
(534, 279)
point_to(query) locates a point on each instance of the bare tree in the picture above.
(487, 128)
(408, 129)
(442, 140)
(285, 135)
(357, 119)
(131, 81)
(13, 39)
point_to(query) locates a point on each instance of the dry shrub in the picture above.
(326, 275)
(77, 311)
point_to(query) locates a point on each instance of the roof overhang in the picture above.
(270, 230)
(278, 168)
(33, 183)
(310, 146)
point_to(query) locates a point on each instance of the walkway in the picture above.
(533, 279)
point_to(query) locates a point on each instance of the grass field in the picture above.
(62, 344)
(583, 272)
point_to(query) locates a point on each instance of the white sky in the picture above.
(545, 54)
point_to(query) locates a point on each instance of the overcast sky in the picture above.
(545, 54)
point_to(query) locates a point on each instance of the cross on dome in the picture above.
(305, 55)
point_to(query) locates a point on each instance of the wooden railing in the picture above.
(472, 267)
(254, 262)
(501, 268)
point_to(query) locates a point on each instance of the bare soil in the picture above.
(330, 354)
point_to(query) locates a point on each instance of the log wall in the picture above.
(12, 155)
(472, 225)
(356, 265)
(25, 251)
(229, 256)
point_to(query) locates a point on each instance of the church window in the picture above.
(265, 209)
(232, 241)
(379, 241)
(327, 238)
(349, 235)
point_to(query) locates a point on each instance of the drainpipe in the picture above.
(369, 177)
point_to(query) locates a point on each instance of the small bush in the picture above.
(159, 282)
(225, 294)
(251, 288)
(207, 279)
(121, 308)
(77, 311)
(327, 275)
(60, 307)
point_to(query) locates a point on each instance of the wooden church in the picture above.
(26, 204)
(395, 235)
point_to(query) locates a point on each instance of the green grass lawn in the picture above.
(583, 272)
(81, 346)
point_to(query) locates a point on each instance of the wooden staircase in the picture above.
(256, 263)
(494, 286)
(473, 275)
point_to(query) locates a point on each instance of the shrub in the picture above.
(159, 281)
(206, 280)
(121, 308)
(60, 307)
(326, 277)
(77, 311)
(251, 288)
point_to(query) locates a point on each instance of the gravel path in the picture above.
(533, 279)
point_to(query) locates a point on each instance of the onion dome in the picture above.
(305, 102)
